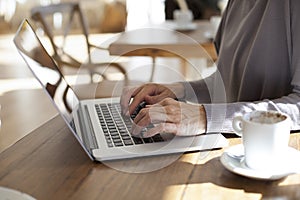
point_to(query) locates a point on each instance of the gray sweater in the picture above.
(258, 45)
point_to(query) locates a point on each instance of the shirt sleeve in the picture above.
(220, 116)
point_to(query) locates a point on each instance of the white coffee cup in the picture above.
(183, 17)
(265, 137)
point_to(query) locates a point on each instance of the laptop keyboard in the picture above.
(116, 127)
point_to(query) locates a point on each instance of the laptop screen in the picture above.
(46, 71)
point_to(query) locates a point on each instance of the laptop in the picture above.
(98, 124)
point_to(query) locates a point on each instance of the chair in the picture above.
(45, 16)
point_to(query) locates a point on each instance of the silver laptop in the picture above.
(97, 124)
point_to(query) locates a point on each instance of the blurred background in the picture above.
(139, 11)
(24, 106)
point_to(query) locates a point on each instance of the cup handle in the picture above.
(237, 125)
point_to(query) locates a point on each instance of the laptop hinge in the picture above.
(88, 134)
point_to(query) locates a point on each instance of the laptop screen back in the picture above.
(46, 71)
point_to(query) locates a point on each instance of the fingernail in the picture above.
(133, 132)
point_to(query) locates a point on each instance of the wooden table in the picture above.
(163, 40)
(49, 164)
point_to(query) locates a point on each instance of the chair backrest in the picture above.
(59, 23)
(59, 20)
(114, 17)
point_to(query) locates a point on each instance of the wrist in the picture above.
(177, 89)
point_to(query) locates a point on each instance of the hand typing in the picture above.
(171, 116)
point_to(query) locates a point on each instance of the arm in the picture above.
(220, 115)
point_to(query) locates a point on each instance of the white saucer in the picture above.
(233, 160)
(10, 194)
(187, 27)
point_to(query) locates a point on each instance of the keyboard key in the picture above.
(110, 144)
(128, 142)
(158, 138)
(148, 140)
(115, 127)
(117, 140)
(115, 137)
(118, 144)
(126, 137)
(137, 140)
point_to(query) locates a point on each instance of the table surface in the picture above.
(49, 164)
(164, 40)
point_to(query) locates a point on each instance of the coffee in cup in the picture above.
(265, 137)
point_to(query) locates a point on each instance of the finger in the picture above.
(168, 113)
(161, 128)
(141, 115)
(125, 98)
(169, 101)
(137, 100)
(150, 114)
(139, 96)
(150, 93)
(156, 98)
(137, 129)
(141, 122)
